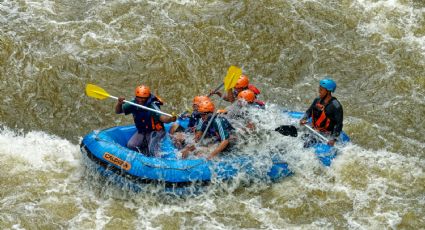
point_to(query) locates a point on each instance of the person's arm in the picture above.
(230, 97)
(227, 97)
(250, 125)
(307, 113)
(188, 149)
(337, 116)
(118, 106)
(198, 135)
(173, 128)
(219, 149)
(163, 118)
(224, 137)
(167, 119)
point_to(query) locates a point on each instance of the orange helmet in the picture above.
(199, 99)
(242, 82)
(142, 91)
(206, 107)
(247, 95)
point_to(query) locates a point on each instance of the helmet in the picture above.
(242, 82)
(206, 107)
(142, 91)
(199, 99)
(247, 95)
(328, 84)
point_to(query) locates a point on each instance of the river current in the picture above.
(373, 49)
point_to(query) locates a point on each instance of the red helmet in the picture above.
(199, 99)
(142, 91)
(206, 107)
(242, 82)
(247, 95)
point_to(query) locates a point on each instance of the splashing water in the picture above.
(374, 49)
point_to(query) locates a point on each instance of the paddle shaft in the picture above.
(229, 81)
(216, 89)
(291, 130)
(209, 123)
(317, 133)
(143, 107)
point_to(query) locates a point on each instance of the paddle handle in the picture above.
(317, 133)
(143, 107)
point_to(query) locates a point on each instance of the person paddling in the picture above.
(220, 130)
(150, 125)
(241, 84)
(241, 112)
(178, 132)
(326, 113)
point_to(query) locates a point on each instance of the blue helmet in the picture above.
(328, 84)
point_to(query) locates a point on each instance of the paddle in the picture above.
(233, 74)
(290, 130)
(99, 93)
(229, 80)
(287, 130)
(317, 133)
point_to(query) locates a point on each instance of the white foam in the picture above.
(37, 149)
(381, 23)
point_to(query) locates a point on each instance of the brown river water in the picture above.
(373, 49)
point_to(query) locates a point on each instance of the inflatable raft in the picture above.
(105, 149)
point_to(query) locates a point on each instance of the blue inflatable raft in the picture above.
(106, 149)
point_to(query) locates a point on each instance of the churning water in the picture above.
(374, 49)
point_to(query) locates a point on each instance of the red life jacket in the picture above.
(254, 89)
(322, 122)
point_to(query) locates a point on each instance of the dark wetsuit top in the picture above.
(333, 111)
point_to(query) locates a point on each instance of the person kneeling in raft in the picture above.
(220, 130)
(178, 133)
(150, 126)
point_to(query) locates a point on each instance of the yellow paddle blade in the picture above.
(232, 77)
(96, 92)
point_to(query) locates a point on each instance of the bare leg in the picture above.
(136, 141)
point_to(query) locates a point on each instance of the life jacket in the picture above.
(144, 119)
(319, 119)
(254, 89)
(193, 119)
(212, 132)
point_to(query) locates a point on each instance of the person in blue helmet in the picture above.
(150, 125)
(326, 113)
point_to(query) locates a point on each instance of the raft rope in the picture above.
(147, 164)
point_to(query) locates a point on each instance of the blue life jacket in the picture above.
(145, 120)
(193, 119)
